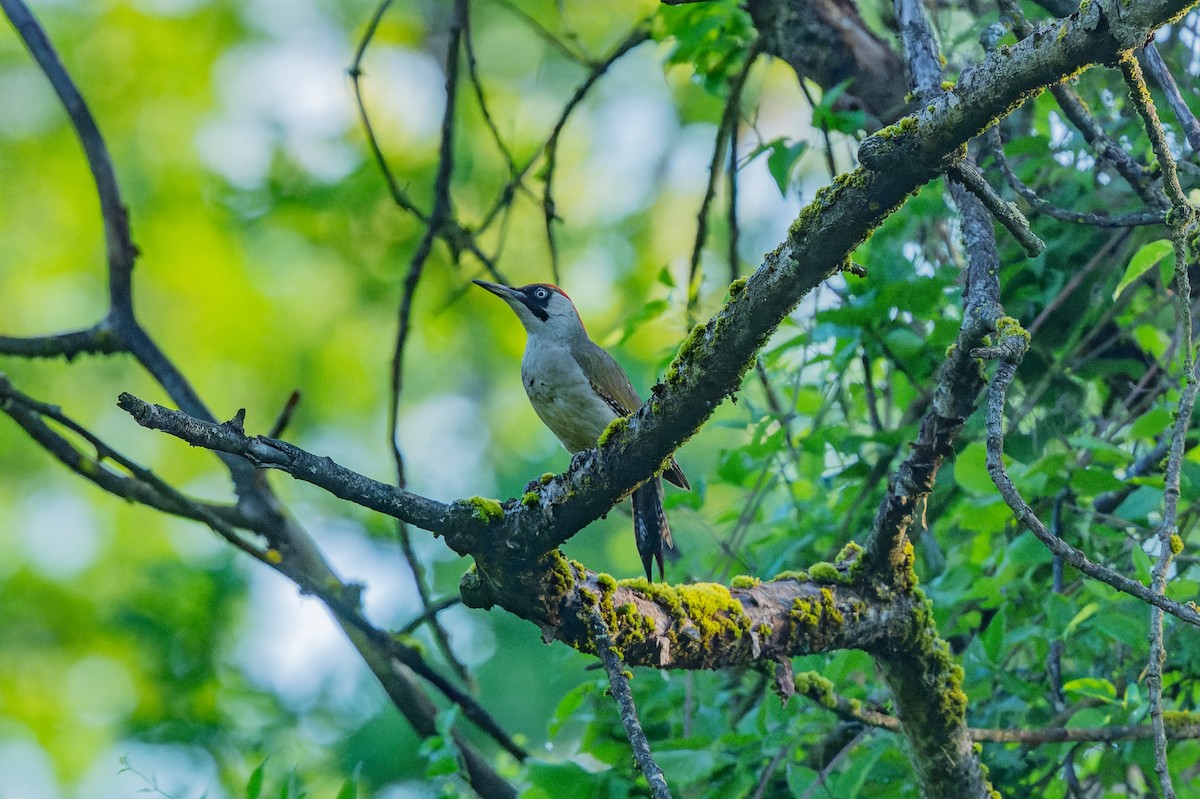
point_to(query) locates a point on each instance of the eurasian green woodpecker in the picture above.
(577, 389)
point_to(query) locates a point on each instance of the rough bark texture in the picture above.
(828, 42)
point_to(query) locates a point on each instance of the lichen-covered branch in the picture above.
(696, 626)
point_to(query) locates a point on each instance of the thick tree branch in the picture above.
(711, 362)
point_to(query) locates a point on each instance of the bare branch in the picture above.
(1011, 350)
(1041, 205)
(117, 240)
(726, 130)
(618, 682)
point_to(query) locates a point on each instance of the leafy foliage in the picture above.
(274, 259)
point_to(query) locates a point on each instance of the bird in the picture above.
(577, 389)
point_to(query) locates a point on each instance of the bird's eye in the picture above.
(541, 294)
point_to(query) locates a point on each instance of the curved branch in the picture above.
(117, 240)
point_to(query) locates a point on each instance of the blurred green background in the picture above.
(137, 653)
(272, 259)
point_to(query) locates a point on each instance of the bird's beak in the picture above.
(509, 295)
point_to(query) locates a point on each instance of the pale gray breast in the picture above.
(563, 397)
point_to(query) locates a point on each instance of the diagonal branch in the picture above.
(118, 243)
(712, 361)
(618, 682)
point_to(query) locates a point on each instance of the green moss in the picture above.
(737, 287)
(1176, 544)
(687, 351)
(546, 478)
(817, 688)
(826, 573)
(658, 593)
(798, 576)
(631, 627)
(561, 572)
(713, 610)
(849, 552)
(947, 85)
(815, 617)
(744, 581)
(1007, 327)
(486, 510)
(530, 498)
(1176, 721)
(618, 425)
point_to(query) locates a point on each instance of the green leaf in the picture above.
(1083, 615)
(970, 471)
(255, 783)
(1142, 261)
(1151, 423)
(993, 638)
(1140, 504)
(783, 153)
(1126, 628)
(1092, 687)
(349, 790)
(1141, 563)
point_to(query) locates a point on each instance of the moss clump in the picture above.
(815, 617)
(849, 552)
(546, 478)
(631, 627)
(713, 610)
(618, 425)
(1176, 721)
(737, 287)
(530, 498)
(947, 85)
(817, 688)
(826, 573)
(687, 351)
(744, 581)
(486, 510)
(561, 573)
(658, 593)
(1007, 327)
(798, 576)
(1176, 544)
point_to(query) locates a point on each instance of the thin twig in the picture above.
(1010, 352)
(618, 682)
(1153, 62)
(1077, 112)
(549, 214)
(966, 173)
(118, 242)
(1044, 206)
(399, 195)
(820, 692)
(440, 215)
(1183, 225)
(731, 213)
(636, 36)
(730, 119)
(97, 340)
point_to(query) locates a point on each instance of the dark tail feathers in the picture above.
(650, 528)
